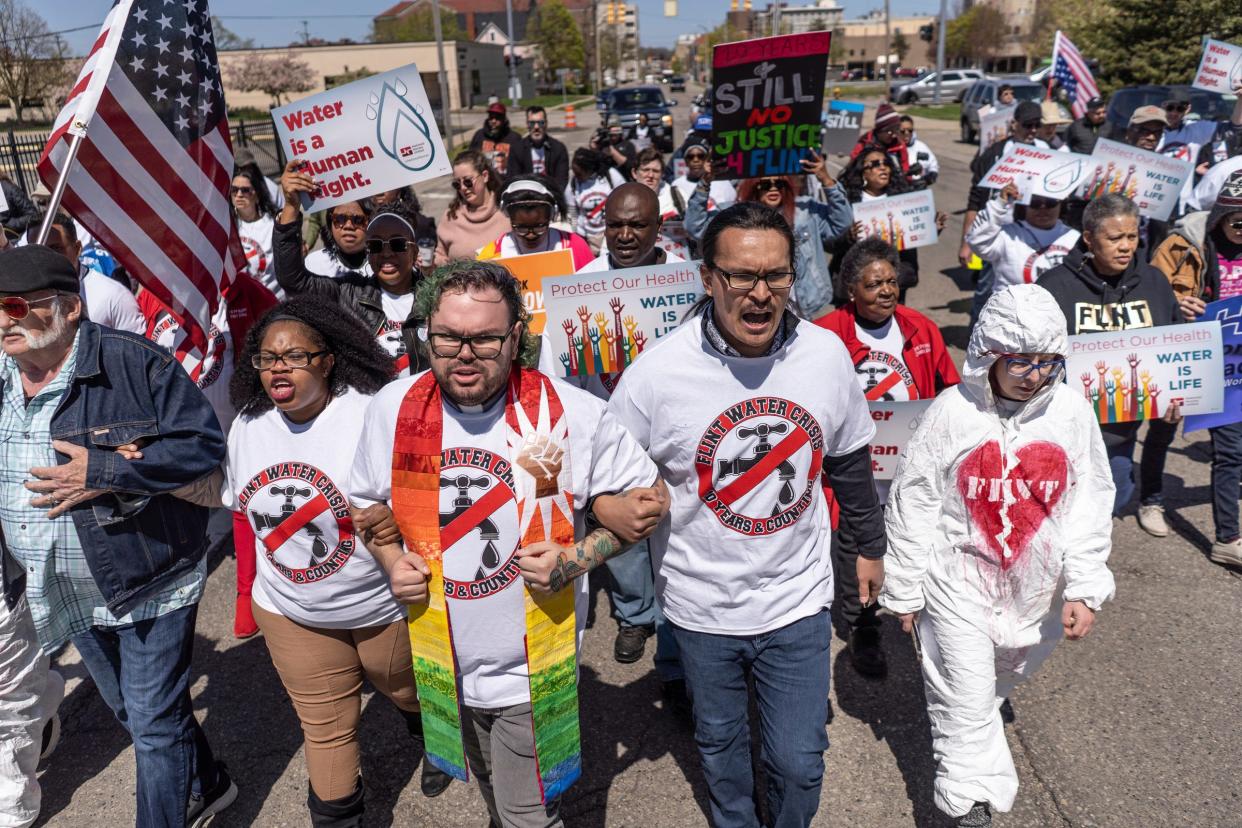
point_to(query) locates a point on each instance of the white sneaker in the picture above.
(1151, 518)
(53, 695)
(1228, 553)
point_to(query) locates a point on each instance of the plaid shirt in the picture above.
(63, 596)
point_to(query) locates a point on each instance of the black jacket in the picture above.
(498, 150)
(1140, 298)
(555, 160)
(21, 213)
(361, 295)
(1082, 135)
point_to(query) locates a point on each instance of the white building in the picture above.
(824, 15)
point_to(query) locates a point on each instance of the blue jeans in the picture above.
(143, 673)
(790, 669)
(635, 605)
(1226, 477)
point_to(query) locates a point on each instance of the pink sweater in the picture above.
(461, 237)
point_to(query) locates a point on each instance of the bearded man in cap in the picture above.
(110, 558)
(496, 139)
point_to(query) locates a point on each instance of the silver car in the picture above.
(952, 87)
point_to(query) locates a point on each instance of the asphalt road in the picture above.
(1136, 726)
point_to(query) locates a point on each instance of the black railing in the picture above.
(20, 152)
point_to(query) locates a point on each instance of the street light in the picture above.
(513, 81)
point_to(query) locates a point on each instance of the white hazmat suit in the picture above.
(992, 522)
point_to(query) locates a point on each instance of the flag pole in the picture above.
(59, 192)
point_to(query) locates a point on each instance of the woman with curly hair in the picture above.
(306, 377)
(474, 217)
(874, 174)
(384, 296)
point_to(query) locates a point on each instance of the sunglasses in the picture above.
(348, 219)
(242, 191)
(397, 244)
(696, 156)
(1236, 225)
(770, 184)
(1176, 107)
(523, 229)
(1031, 124)
(460, 184)
(17, 308)
(533, 124)
(871, 165)
(1043, 203)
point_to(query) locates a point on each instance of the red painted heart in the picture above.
(1027, 491)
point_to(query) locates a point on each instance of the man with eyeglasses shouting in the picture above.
(493, 471)
(539, 153)
(109, 557)
(744, 408)
(997, 542)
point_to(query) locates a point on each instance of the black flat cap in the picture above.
(1028, 111)
(36, 267)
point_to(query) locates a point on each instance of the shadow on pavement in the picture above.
(896, 712)
(620, 727)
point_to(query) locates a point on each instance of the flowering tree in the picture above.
(276, 75)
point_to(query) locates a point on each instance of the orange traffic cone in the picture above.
(570, 123)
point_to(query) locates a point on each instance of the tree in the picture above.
(226, 39)
(34, 63)
(418, 26)
(553, 29)
(975, 35)
(836, 49)
(609, 50)
(819, 24)
(1157, 41)
(900, 47)
(275, 75)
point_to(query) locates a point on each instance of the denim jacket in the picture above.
(816, 225)
(136, 536)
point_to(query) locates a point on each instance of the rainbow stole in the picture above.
(538, 438)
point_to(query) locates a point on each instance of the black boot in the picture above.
(433, 781)
(336, 813)
(864, 645)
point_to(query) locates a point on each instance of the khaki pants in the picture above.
(322, 670)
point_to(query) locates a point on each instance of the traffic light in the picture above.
(927, 33)
(611, 16)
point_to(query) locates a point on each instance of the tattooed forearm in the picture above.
(584, 556)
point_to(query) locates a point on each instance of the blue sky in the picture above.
(655, 29)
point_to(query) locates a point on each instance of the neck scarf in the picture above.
(716, 339)
(538, 439)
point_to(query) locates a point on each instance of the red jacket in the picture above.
(924, 351)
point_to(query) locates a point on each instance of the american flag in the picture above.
(152, 175)
(1072, 73)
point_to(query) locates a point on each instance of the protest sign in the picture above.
(895, 424)
(1038, 172)
(1220, 68)
(994, 125)
(1228, 313)
(531, 270)
(363, 138)
(905, 221)
(766, 102)
(599, 323)
(1137, 374)
(843, 126)
(674, 239)
(1151, 180)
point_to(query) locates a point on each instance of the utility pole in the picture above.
(446, 94)
(776, 18)
(305, 34)
(513, 81)
(944, 14)
(888, 43)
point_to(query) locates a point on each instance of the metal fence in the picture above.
(20, 151)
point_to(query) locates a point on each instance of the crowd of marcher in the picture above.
(414, 503)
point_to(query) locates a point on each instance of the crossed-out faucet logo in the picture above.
(400, 127)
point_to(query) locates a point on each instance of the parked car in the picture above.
(906, 72)
(983, 93)
(852, 74)
(1122, 103)
(952, 87)
(623, 106)
(676, 84)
